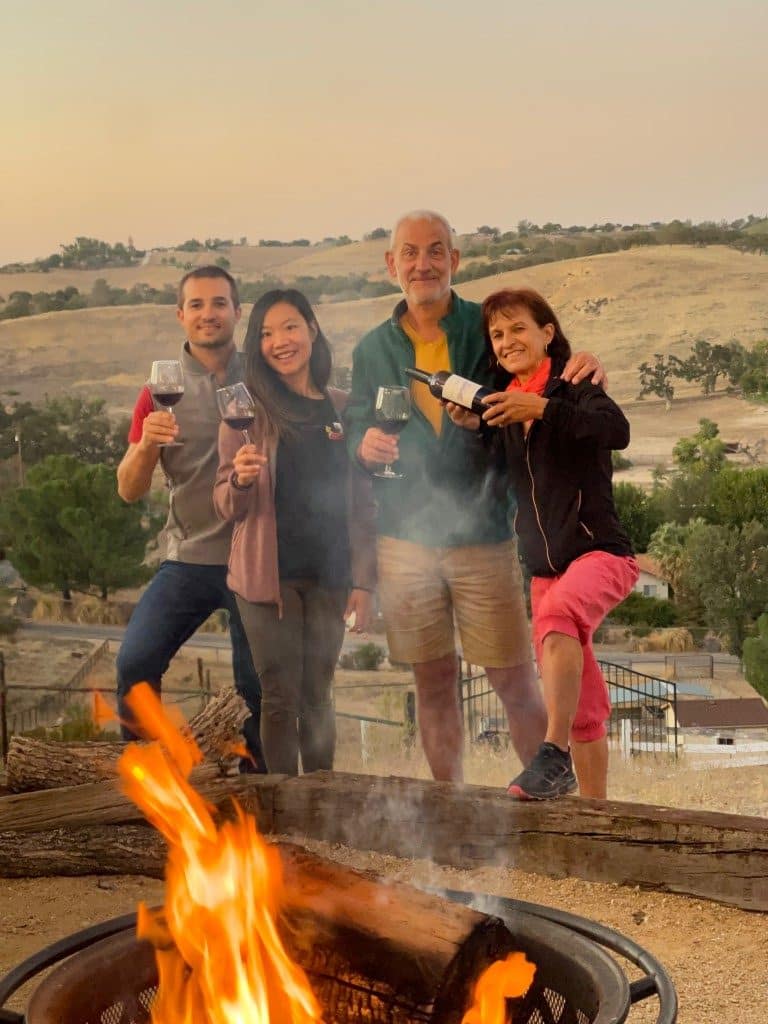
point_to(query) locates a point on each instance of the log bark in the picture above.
(721, 857)
(103, 803)
(37, 764)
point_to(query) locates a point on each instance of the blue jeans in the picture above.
(180, 598)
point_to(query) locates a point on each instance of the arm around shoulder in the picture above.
(588, 414)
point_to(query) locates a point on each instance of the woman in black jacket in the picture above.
(556, 442)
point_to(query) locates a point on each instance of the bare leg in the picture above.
(590, 762)
(439, 716)
(519, 692)
(562, 661)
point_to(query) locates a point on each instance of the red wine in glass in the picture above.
(166, 382)
(167, 398)
(392, 411)
(237, 407)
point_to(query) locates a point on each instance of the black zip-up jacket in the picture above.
(562, 474)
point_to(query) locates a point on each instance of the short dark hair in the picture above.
(502, 302)
(209, 271)
(261, 379)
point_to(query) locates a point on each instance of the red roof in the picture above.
(729, 713)
(651, 566)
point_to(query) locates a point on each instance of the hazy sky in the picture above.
(166, 119)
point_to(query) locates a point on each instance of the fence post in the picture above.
(365, 751)
(409, 716)
(3, 709)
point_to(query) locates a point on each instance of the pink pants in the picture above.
(575, 603)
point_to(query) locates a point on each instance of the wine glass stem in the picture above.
(246, 439)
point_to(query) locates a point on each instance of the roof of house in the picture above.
(729, 713)
(650, 565)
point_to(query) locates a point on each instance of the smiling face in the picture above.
(519, 344)
(286, 343)
(422, 261)
(208, 313)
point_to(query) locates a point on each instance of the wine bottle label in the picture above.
(460, 391)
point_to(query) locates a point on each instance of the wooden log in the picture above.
(710, 855)
(102, 803)
(721, 857)
(40, 764)
(402, 954)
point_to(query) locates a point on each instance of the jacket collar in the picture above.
(453, 315)
(194, 366)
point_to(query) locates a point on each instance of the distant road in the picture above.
(351, 640)
(217, 641)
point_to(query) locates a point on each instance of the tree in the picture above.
(756, 657)
(656, 379)
(727, 567)
(377, 233)
(69, 530)
(638, 512)
(62, 426)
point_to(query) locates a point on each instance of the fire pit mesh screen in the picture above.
(106, 976)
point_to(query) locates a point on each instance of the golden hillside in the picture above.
(624, 306)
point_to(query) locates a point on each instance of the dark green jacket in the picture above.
(449, 496)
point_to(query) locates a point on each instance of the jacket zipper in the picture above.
(533, 499)
(582, 524)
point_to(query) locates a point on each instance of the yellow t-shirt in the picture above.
(431, 356)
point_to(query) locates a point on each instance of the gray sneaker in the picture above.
(548, 776)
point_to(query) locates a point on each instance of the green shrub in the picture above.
(638, 610)
(368, 657)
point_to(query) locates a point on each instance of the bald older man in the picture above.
(447, 558)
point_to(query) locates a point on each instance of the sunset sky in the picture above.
(163, 120)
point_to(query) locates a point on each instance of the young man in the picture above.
(190, 583)
(445, 547)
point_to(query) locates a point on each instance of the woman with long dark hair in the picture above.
(556, 442)
(303, 556)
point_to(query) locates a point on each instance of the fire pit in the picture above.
(105, 975)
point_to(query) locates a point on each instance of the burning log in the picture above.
(37, 764)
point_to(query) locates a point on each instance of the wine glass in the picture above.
(237, 407)
(393, 410)
(166, 382)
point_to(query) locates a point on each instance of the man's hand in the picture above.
(462, 417)
(359, 604)
(158, 428)
(377, 448)
(247, 464)
(582, 365)
(513, 407)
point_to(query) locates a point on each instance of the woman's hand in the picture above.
(247, 464)
(582, 365)
(359, 604)
(462, 417)
(513, 407)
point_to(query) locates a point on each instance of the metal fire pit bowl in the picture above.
(105, 975)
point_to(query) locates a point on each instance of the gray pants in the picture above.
(295, 657)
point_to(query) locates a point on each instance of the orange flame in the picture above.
(220, 958)
(504, 979)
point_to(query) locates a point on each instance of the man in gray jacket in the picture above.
(190, 583)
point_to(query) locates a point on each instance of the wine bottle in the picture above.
(450, 387)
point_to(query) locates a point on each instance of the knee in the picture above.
(436, 681)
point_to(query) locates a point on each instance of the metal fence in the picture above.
(643, 711)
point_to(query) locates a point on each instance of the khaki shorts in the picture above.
(422, 590)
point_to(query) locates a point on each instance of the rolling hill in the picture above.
(624, 306)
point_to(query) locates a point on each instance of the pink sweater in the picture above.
(253, 567)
